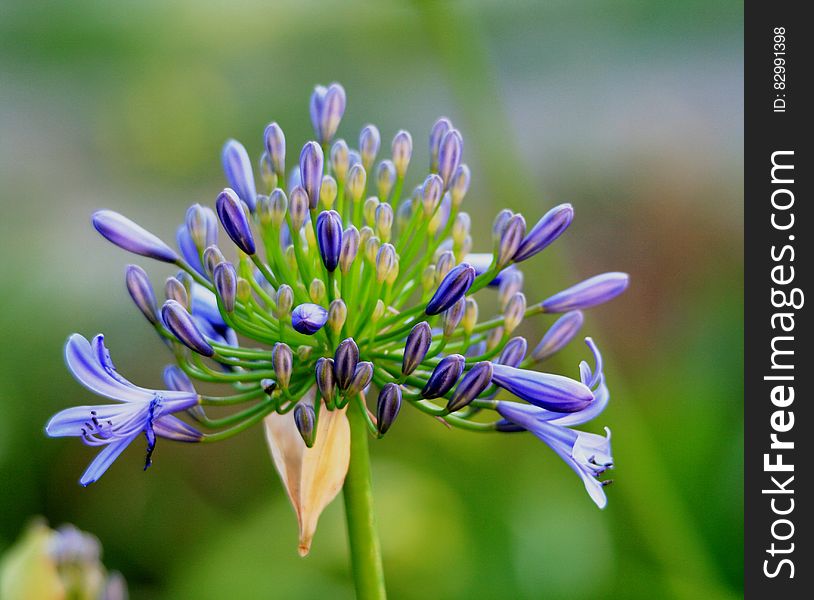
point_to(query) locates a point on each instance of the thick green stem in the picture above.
(366, 559)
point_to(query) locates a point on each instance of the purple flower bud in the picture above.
(189, 251)
(238, 169)
(452, 317)
(444, 376)
(329, 238)
(362, 376)
(282, 359)
(181, 324)
(212, 257)
(141, 291)
(472, 384)
(402, 149)
(226, 284)
(308, 318)
(438, 131)
(499, 225)
(416, 347)
(510, 240)
(327, 108)
(459, 184)
(275, 147)
(514, 312)
(386, 261)
(369, 142)
(454, 286)
(326, 381)
(388, 406)
(356, 182)
(385, 178)
(175, 379)
(311, 164)
(552, 392)
(340, 160)
(547, 229)
(202, 225)
(593, 291)
(131, 237)
(350, 247)
(305, 420)
(298, 207)
(557, 337)
(235, 221)
(514, 352)
(346, 358)
(431, 193)
(175, 290)
(449, 155)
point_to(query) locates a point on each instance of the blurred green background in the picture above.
(631, 110)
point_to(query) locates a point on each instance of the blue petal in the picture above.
(104, 459)
(174, 428)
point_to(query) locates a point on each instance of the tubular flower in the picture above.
(350, 295)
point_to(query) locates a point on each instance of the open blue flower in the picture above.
(114, 426)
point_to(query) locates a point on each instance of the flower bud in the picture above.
(557, 337)
(329, 238)
(371, 248)
(547, 229)
(202, 225)
(304, 353)
(444, 376)
(453, 287)
(439, 219)
(327, 195)
(291, 257)
(275, 147)
(444, 265)
(226, 285)
(175, 379)
(499, 225)
(346, 358)
(416, 347)
(317, 291)
(459, 184)
(305, 419)
(350, 246)
(267, 175)
(388, 406)
(593, 291)
(369, 210)
(362, 376)
(510, 240)
(472, 384)
(510, 284)
(385, 261)
(326, 381)
(138, 285)
(277, 207)
(460, 228)
(369, 142)
(402, 150)
(384, 221)
(340, 160)
(327, 108)
(494, 338)
(514, 312)
(548, 391)
(311, 165)
(438, 131)
(470, 317)
(235, 221)
(385, 178)
(308, 318)
(449, 155)
(284, 299)
(428, 278)
(238, 168)
(282, 359)
(337, 315)
(131, 237)
(452, 317)
(298, 210)
(244, 290)
(378, 312)
(212, 257)
(181, 324)
(355, 185)
(514, 352)
(431, 193)
(175, 290)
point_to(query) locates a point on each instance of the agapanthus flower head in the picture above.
(346, 289)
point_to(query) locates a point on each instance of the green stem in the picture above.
(366, 559)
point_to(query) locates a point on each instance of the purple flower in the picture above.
(275, 147)
(546, 390)
(388, 406)
(547, 229)
(451, 289)
(189, 250)
(311, 165)
(114, 426)
(235, 221)
(329, 238)
(472, 384)
(327, 108)
(444, 376)
(557, 337)
(238, 168)
(184, 327)
(514, 352)
(131, 237)
(308, 318)
(593, 291)
(225, 278)
(449, 154)
(346, 358)
(438, 131)
(416, 347)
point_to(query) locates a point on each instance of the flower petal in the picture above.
(104, 459)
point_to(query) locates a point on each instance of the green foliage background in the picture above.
(631, 110)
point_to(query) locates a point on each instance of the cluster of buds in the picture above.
(349, 291)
